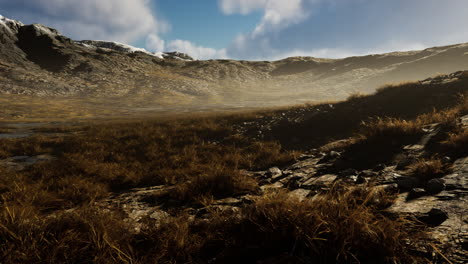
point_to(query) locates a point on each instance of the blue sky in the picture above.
(254, 29)
(202, 22)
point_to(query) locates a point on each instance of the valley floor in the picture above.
(375, 179)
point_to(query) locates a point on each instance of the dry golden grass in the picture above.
(457, 143)
(48, 212)
(221, 183)
(201, 156)
(340, 227)
(427, 169)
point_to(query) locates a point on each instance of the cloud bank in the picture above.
(320, 28)
(197, 52)
(339, 28)
(118, 20)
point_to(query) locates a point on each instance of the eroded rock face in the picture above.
(43, 46)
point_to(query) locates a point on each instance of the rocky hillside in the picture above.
(39, 61)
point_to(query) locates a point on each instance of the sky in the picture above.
(254, 29)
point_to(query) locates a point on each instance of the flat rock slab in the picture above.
(453, 201)
(321, 181)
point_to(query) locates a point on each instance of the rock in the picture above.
(433, 218)
(177, 55)
(348, 172)
(300, 194)
(275, 174)
(447, 159)
(380, 167)
(43, 46)
(404, 163)
(351, 179)
(390, 188)
(407, 183)
(368, 174)
(435, 186)
(330, 156)
(361, 180)
(321, 181)
(416, 193)
(276, 185)
(228, 201)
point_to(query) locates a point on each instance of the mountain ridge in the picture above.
(38, 61)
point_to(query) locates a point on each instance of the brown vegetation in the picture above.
(48, 212)
(428, 169)
(340, 227)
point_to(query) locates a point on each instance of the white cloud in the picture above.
(276, 13)
(244, 7)
(115, 20)
(197, 52)
(340, 28)
(154, 43)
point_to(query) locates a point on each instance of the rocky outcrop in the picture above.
(44, 46)
(177, 55)
(9, 52)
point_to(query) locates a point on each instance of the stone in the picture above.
(274, 173)
(276, 185)
(434, 217)
(300, 194)
(404, 163)
(324, 180)
(368, 173)
(416, 193)
(380, 167)
(435, 186)
(228, 201)
(330, 156)
(361, 180)
(348, 172)
(407, 183)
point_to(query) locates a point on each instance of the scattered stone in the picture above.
(435, 186)
(330, 156)
(433, 218)
(361, 180)
(380, 167)
(447, 159)
(416, 193)
(368, 173)
(407, 183)
(404, 163)
(276, 185)
(390, 188)
(351, 179)
(275, 173)
(301, 194)
(228, 201)
(348, 172)
(317, 182)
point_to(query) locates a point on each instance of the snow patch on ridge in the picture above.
(10, 24)
(113, 46)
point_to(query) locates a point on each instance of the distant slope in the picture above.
(38, 61)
